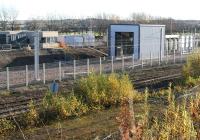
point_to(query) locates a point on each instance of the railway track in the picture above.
(155, 75)
(18, 105)
(145, 83)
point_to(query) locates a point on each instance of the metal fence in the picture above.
(12, 77)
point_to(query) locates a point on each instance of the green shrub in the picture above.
(104, 90)
(75, 107)
(192, 66)
(92, 89)
(32, 116)
(190, 81)
(126, 89)
(6, 126)
(63, 106)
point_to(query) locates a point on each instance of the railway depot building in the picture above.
(18, 39)
(48, 39)
(140, 40)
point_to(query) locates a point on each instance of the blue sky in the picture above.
(179, 9)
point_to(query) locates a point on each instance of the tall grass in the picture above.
(191, 70)
(177, 121)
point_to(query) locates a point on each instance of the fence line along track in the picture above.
(18, 105)
(12, 77)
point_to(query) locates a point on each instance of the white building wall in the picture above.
(152, 40)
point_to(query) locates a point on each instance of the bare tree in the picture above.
(141, 18)
(8, 18)
(4, 18)
(52, 22)
(62, 23)
(13, 14)
(101, 23)
(33, 24)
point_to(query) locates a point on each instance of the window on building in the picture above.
(43, 40)
(48, 40)
(124, 43)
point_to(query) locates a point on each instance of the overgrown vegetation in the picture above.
(63, 106)
(6, 126)
(91, 93)
(191, 70)
(177, 119)
(105, 90)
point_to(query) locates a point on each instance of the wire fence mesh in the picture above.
(25, 75)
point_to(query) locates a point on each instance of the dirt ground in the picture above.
(24, 57)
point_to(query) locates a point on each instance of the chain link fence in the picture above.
(12, 77)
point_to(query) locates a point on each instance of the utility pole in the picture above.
(171, 25)
(36, 54)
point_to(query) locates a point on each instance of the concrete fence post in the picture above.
(100, 66)
(174, 57)
(8, 78)
(122, 63)
(88, 66)
(167, 58)
(142, 64)
(159, 58)
(151, 59)
(181, 56)
(26, 75)
(112, 67)
(44, 73)
(133, 61)
(74, 69)
(60, 71)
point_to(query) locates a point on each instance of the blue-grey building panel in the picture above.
(148, 39)
(124, 28)
(152, 41)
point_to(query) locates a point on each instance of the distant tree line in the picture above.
(8, 19)
(98, 23)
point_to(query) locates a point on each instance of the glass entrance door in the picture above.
(124, 43)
